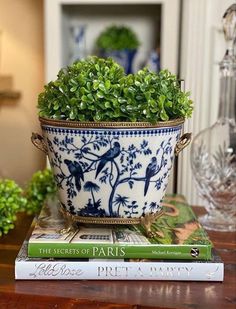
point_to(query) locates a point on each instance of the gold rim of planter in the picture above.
(91, 124)
(104, 220)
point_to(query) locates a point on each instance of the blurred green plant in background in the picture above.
(117, 38)
(38, 188)
(13, 199)
(11, 202)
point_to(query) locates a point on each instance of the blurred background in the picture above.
(38, 37)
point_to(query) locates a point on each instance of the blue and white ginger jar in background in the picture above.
(124, 57)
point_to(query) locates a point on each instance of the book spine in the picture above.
(103, 251)
(118, 270)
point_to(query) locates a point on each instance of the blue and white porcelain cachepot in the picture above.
(111, 170)
(124, 57)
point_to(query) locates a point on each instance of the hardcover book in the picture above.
(111, 269)
(178, 235)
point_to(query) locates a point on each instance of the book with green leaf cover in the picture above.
(178, 235)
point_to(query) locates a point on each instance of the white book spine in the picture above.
(118, 270)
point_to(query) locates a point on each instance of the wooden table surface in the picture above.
(114, 294)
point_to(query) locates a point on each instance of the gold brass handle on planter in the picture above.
(184, 140)
(39, 142)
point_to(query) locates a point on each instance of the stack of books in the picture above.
(181, 249)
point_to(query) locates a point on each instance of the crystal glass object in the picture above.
(213, 151)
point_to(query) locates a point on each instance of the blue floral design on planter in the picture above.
(102, 161)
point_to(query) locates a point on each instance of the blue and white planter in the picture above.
(111, 170)
(124, 57)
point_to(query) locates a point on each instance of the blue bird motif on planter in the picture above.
(76, 171)
(150, 172)
(119, 162)
(108, 156)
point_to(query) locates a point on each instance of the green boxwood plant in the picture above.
(97, 89)
(37, 189)
(117, 38)
(14, 199)
(11, 202)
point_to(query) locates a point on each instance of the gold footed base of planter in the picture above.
(146, 221)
